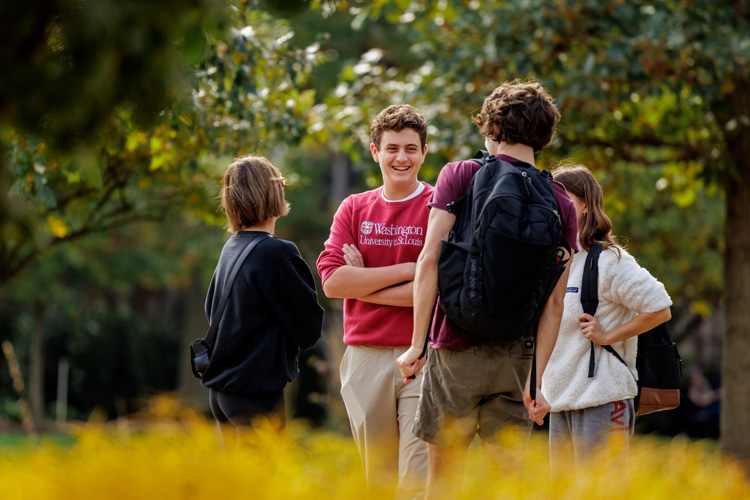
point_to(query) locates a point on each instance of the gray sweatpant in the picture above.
(586, 433)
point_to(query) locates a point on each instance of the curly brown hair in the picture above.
(252, 192)
(397, 117)
(523, 112)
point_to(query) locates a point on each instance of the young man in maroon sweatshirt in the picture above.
(370, 260)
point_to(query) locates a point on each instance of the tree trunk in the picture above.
(735, 409)
(36, 368)
(340, 168)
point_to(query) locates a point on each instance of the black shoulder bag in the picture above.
(200, 350)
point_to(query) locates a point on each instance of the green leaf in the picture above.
(90, 168)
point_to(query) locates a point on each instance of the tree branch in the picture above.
(13, 264)
(623, 148)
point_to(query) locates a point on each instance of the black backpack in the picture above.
(658, 362)
(502, 259)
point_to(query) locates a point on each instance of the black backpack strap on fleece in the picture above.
(590, 298)
(214, 328)
(611, 350)
(590, 291)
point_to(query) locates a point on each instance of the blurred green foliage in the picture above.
(119, 117)
(643, 88)
(135, 192)
(73, 62)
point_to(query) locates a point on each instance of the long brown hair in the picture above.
(593, 226)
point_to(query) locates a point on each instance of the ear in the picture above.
(374, 151)
(424, 154)
(495, 132)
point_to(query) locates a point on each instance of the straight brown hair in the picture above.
(252, 192)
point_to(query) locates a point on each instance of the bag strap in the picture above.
(590, 283)
(590, 298)
(532, 376)
(214, 328)
(456, 206)
(480, 157)
(427, 337)
(590, 291)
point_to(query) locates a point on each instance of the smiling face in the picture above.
(400, 155)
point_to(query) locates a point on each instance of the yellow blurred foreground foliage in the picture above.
(183, 459)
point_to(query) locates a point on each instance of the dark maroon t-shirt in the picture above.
(452, 183)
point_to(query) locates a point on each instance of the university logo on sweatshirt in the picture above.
(390, 235)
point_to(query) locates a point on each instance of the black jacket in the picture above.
(271, 314)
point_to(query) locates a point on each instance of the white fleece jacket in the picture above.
(625, 289)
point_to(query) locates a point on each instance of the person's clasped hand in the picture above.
(410, 364)
(592, 329)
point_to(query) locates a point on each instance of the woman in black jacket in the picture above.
(273, 309)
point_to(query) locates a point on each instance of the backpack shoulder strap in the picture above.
(590, 283)
(456, 206)
(480, 157)
(590, 295)
(214, 328)
(590, 298)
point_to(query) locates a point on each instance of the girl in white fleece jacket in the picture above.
(594, 414)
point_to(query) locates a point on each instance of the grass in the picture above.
(22, 440)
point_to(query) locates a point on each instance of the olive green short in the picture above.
(473, 391)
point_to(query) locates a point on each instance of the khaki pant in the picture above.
(381, 413)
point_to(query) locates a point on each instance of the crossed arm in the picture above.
(388, 285)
